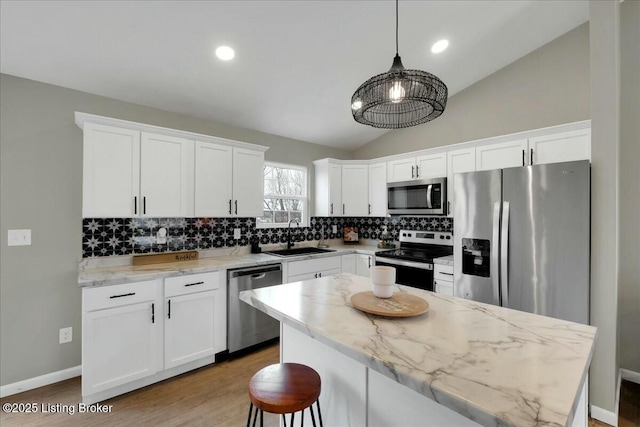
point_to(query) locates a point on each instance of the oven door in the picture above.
(409, 273)
(428, 196)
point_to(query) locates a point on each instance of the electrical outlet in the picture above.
(236, 233)
(66, 335)
(19, 237)
(334, 229)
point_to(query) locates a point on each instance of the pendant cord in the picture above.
(396, 27)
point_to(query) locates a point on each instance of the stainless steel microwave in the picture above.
(419, 197)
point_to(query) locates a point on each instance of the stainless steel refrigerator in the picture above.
(522, 236)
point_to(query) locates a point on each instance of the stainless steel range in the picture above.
(414, 260)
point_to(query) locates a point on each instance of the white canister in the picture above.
(383, 279)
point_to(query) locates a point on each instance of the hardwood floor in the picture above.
(212, 396)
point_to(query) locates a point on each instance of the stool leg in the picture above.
(250, 411)
(292, 414)
(261, 418)
(313, 419)
(319, 413)
(284, 421)
(255, 417)
(302, 418)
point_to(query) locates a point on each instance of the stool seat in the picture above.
(284, 388)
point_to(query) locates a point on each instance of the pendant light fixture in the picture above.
(399, 98)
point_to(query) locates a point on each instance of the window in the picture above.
(285, 195)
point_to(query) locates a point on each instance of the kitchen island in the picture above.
(461, 363)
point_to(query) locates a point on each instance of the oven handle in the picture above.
(403, 263)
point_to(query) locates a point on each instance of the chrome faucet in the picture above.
(289, 242)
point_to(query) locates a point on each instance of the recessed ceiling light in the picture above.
(225, 53)
(439, 46)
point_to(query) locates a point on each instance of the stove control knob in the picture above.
(409, 234)
(442, 237)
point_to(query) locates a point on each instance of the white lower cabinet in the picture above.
(313, 268)
(363, 264)
(349, 263)
(136, 334)
(443, 279)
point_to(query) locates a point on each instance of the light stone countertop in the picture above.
(105, 272)
(491, 364)
(445, 260)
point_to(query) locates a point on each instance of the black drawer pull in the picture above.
(448, 274)
(193, 284)
(153, 313)
(123, 295)
(169, 309)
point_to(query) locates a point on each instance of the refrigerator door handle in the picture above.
(504, 254)
(495, 260)
(429, 188)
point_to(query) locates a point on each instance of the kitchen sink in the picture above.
(298, 251)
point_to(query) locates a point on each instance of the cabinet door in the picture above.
(561, 147)
(189, 328)
(401, 170)
(349, 263)
(120, 345)
(431, 166)
(111, 172)
(355, 191)
(364, 264)
(445, 288)
(378, 189)
(166, 176)
(502, 155)
(335, 190)
(248, 182)
(213, 185)
(458, 161)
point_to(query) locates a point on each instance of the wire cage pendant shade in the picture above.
(399, 98)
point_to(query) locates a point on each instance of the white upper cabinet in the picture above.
(166, 176)
(213, 186)
(355, 191)
(502, 155)
(560, 147)
(378, 189)
(228, 181)
(111, 175)
(421, 167)
(431, 166)
(248, 182)
(328, 191)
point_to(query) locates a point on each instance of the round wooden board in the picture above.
(399, 305)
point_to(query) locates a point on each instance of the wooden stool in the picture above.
(284, 388)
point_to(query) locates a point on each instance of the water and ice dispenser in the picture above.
(476, 254)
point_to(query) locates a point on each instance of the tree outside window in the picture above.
(285, 195)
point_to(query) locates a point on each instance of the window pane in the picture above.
(283, 181)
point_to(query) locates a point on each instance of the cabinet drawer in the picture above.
(443, 272)
(315, 275)
(445, 288)
(119, 295)
(314, 265)
(191, 283)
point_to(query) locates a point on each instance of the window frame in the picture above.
(304, 198)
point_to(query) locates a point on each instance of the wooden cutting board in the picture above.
(165, 257)
(399, 305)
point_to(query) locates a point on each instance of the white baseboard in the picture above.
(42, 380)
(603, 415)
(632, 376)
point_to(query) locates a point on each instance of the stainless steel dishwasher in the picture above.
(247, 326)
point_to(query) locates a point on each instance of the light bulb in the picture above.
(396, 93)
(225, 53)
(439, 46)
(357, 104)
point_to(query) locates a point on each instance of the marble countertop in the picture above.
(494, 365)
(91, 275)
(445, 260)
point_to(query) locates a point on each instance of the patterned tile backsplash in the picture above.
(125, 236)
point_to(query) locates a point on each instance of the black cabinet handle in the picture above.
(135, 205)
(369, 208)
(229, 206)
(412, 171)
(153, 313)
(122, 295)
(523, 161)
(448, 208)
(343, 209)
(144, 205)
(193, 284)
(316, 275)
(169, 309)
(417, 171)
(448, 274)
(320, 274)
(331, 208)
(236, 202)
(531, 158)
(369, 258)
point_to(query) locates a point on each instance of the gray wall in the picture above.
(550, 86)
(629, 287)
(41, 189)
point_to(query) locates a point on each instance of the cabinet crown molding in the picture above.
(82, 118)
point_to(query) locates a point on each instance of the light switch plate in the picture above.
(236, 233)
(19, 237)
(334, 229)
